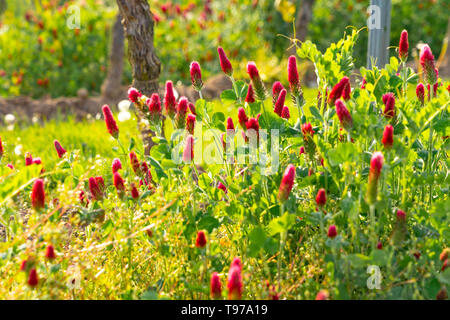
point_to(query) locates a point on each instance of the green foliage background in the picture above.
(247, 28)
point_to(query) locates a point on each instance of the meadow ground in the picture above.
(146, 249)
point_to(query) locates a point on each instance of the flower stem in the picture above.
(430, 146)
(373, 227)
(430, 152)
(404, 80)
(264, 118)
(193, 188)
(322, 229)
(301, 115)
(323, 103)
(280, 255)
(121, 146)
(235, 89)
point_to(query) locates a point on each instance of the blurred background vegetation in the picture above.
(40, 55)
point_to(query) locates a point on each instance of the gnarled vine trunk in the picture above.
(3, 6)
(302, 20)
(112, 85)
(137, 21)
(444, 58)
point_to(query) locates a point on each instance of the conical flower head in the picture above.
(2, 150)
(302, 150)
(23, 265)
(287, 182)
(293, 78)
(363, 84)
(347, 91)
(33, 279)
(321, 198)
(119, 184)
(389, 102)
(444, 254)
(278, 108)
(294, 83)
(257, 83)
(252, 126)
(111, 124)
(253, 72)
(332, 231)
(146, 179)
(420, 93)
(401, 215)
(428, 64)
(442, 294)
(116, 165)
(28, 159)
(276, 89)
(403, 46)
(250, 97)
(225, 64)
(273, 295)
(196, 76)
(50, 252)
(308, 133)
(285, 114)
(242, 117)
(135, 164)
(100, 182)
(170, 102)
(192, 108)
(376, 164)
(188, 153)
(445, 265)
(388, 137)
(322, 295)
(400, 230)
(145, 172)
(307, 129)
(216, 286)
(134, 192)
(154, 108)
(222, 187)
(338, 90)
(230, 124)
(236, 263)
(134, 95)
(200, 242)
(180, 117)
(344, 115)
(59, 149)
(234, 284)
(96, 192)
(190, 123)
(38, 195)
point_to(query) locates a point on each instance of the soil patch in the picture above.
(82, 105)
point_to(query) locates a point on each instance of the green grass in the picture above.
(88, 136)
